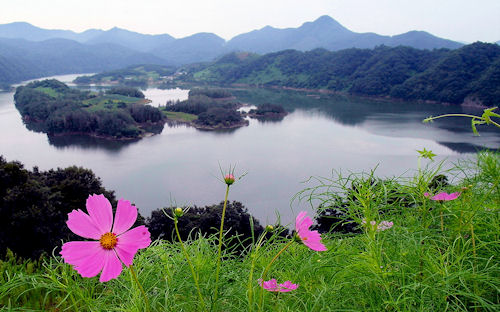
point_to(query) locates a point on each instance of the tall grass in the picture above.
(413, 266)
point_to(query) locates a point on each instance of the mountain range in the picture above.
(27, 51)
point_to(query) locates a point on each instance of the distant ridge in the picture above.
(36, 51)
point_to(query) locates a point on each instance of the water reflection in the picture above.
(89, 143)
(320, 134)
(384, 117)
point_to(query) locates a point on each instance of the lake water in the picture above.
(322, 133)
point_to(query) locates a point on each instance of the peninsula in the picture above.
(52, 107)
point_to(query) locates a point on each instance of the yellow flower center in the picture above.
(108, 241)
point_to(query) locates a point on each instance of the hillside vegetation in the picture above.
(467, 74)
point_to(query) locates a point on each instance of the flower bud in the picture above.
(229, 179)
(269, 228)
(178, 212)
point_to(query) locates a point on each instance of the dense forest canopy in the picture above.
(55, 108)
(215, 109)
(452, 76)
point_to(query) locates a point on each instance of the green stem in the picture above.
(441, 216)
(140, 287)
(250, 276)
(220, 246)
(452, 115)
(186, 255)
(267, 269)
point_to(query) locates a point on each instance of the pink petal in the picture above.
(440, 196)
(302, 223)
(287, 286)
(453, 196)
(76, 252)
(125, 216)
(312, 240)
(112, 267)
(81, 224)
(100, 212)
(93, 264)
(299, 218)
(134, 239)
(426, 194)
(126, 255)
(271, 285)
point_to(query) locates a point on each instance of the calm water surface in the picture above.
(321, 134)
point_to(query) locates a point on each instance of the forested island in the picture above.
(268, 111)
(52, 107)
(208, 109)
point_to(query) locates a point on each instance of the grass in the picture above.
(109, 102)
(180, 116)
(49, 91)
(413, 266)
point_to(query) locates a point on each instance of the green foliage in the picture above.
(211, 93)
(126, 91)
(413, 266)
(34, 206)
(458, 75)
(470, 73)
(487, 118)
(137, 75)
(214, 108)
(267, 108)
(203, 221)
(57, 109)
(219, 117)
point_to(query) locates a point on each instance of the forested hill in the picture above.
(471, 73)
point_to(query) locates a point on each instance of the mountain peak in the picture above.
(324, 23)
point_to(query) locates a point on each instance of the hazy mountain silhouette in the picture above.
(130, 39)
(22, 59)
(23, 45)
(325, 32)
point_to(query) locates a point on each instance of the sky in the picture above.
(460, 20)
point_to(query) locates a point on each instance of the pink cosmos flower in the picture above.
(443, 196)
(310, 238)
(272, 285)
(114, 243)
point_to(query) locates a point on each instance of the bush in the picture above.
(205, 221)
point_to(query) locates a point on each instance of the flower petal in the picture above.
(299, 218)
(304, 225)
(125, 216)
(138, 237)
(126, 255)
(131, 241)
(112, 266)
(312, 239)
(81, 224)
(287, 286)
(91, 266)
(453, 196)
(100, 212)
(76, 252)
(270, 285)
